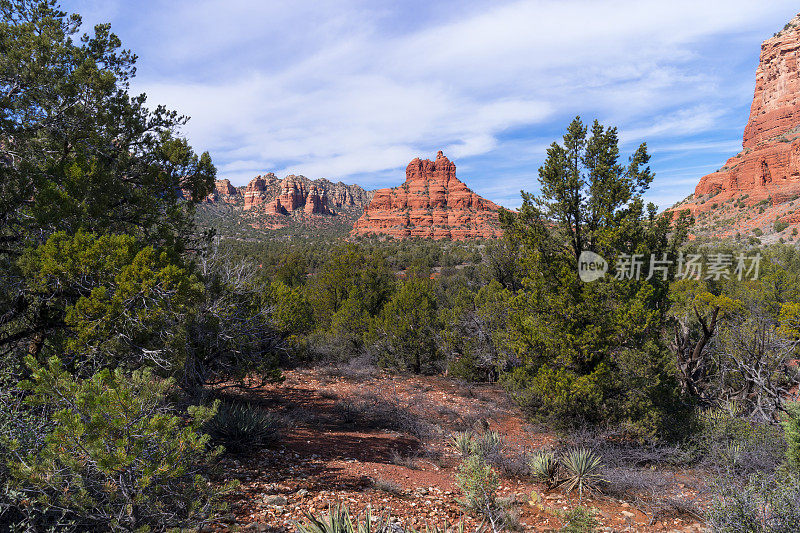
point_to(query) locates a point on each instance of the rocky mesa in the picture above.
(765, 175)
(268, 202)
(432, 203)
(298, 194)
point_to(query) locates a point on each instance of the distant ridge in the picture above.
(294, 203)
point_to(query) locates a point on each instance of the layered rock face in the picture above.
(300, 194)
(768, 167)
(431, 203)
(295, 202)
(224, 192)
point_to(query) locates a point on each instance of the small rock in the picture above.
(628, 514)
(276, 500)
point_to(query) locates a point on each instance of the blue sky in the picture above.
(353, 90)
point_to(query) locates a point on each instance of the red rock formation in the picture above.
(260, 190)
(769, 164)
(431, 203)
(224, 192)
(276, 208)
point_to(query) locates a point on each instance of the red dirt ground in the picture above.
(322, 460)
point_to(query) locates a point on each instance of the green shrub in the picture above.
(791, 428)
(115, 457)
(479, 483)
(21, 429)
(559, 396)
(467, 367)
(780, 226)
(544, 467)
(757, 232)
(408, 325)
(241, 427)
(580, 520)
(581, 470)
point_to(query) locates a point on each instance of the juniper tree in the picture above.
(592, 352)
(79, 152)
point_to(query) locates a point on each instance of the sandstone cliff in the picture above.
(268, 202)
(298, 193)
(431, 203)
(224, 192)
(766, 173)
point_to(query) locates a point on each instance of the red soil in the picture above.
(322, 461)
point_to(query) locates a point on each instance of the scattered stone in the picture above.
(275, 500)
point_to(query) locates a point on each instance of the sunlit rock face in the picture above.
(298, 193)
(768, 167)
(432, 203)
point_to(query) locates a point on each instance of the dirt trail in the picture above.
(380, 441)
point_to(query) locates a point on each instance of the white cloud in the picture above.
(349, 88)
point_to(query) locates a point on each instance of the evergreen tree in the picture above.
(79, 153)
(582, 344)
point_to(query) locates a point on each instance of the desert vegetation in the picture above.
(153, 375)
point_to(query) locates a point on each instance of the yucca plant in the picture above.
(581, 471)
(241, 427)
(338, 520)
(461, 441)
(544, 468)
(488, 444)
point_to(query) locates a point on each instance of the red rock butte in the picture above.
(298, 193)
(768, 167)
(432, 203)
(272, 203)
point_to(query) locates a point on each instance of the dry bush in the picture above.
(514, 464)
(648, 490)
(616, 452)
(389, 487)
(373, 412)
(406, 461)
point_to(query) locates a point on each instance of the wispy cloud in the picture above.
(354, 89)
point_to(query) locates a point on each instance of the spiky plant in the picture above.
(241, 427)
(338, 520)
(581, 471)
(488, 445)
(461, 441)
(544, 467)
